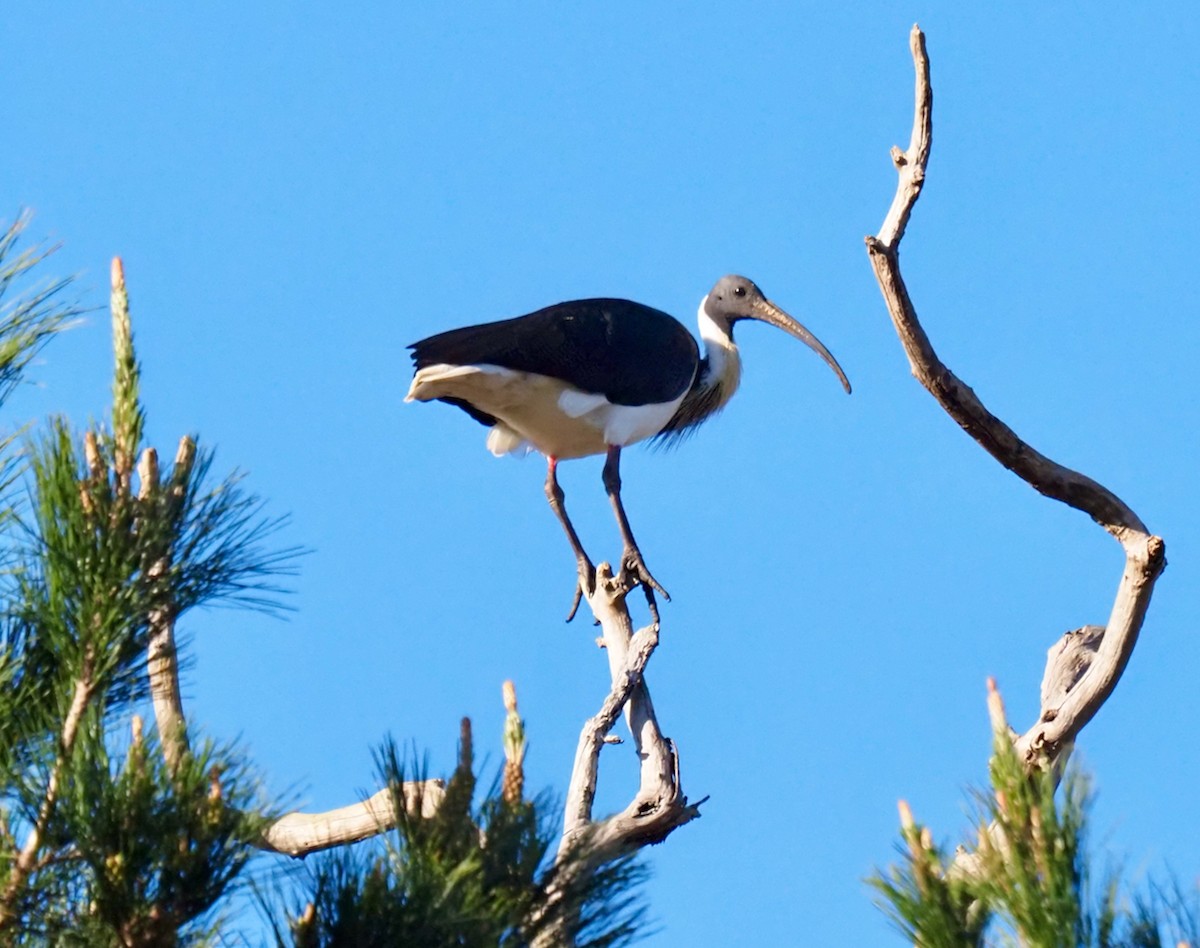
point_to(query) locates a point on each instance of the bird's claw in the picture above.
(633, 573)
(633, 567)
(587, 576)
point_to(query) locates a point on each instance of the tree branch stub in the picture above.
(299, 834)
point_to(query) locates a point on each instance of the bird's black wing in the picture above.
(630, 353)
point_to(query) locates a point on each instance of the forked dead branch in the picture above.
(1084, 667)
(659, 805)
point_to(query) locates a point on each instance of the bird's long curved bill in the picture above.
(768, 312)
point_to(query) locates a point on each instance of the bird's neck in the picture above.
(721, 368)
(716, 379)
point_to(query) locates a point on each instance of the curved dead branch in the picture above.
(1084, 677)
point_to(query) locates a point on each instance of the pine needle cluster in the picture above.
(31, 312)
(105, 839)
(473, 876)
(1026, 879)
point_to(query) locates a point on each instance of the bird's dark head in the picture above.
(738, 297)
(733, 298)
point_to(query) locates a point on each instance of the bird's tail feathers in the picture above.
(503, 440)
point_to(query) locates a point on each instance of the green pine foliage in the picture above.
(31, 312)
(101, 842)
(1027, 879)
(473, 876)
(158, 849)
(932, 907)
(1032, 869)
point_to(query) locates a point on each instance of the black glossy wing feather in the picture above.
(630, 353)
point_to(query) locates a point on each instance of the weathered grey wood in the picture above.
(659, 805)
(1067, 660)
(299, 834)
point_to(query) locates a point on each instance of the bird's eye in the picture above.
(739, 291)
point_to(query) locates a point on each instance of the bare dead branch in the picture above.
(659, 805)
(299, 834)
(1065, 711)
(578, 812)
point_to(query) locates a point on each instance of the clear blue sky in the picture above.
(298, 192)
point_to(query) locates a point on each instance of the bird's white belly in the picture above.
(550, 415)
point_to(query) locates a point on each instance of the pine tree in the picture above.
(106, 839)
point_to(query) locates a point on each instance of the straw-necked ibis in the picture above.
(592, 376)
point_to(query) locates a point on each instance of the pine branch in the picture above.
(161, 845)
(35, 313)
(27, 858)
(162, 661)
(467, 876)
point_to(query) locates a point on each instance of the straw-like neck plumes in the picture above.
(717, 376)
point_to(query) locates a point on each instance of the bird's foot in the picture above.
(585, 584)
(633, 570)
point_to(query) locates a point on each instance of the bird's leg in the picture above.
(631, 559)
(586, 583)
